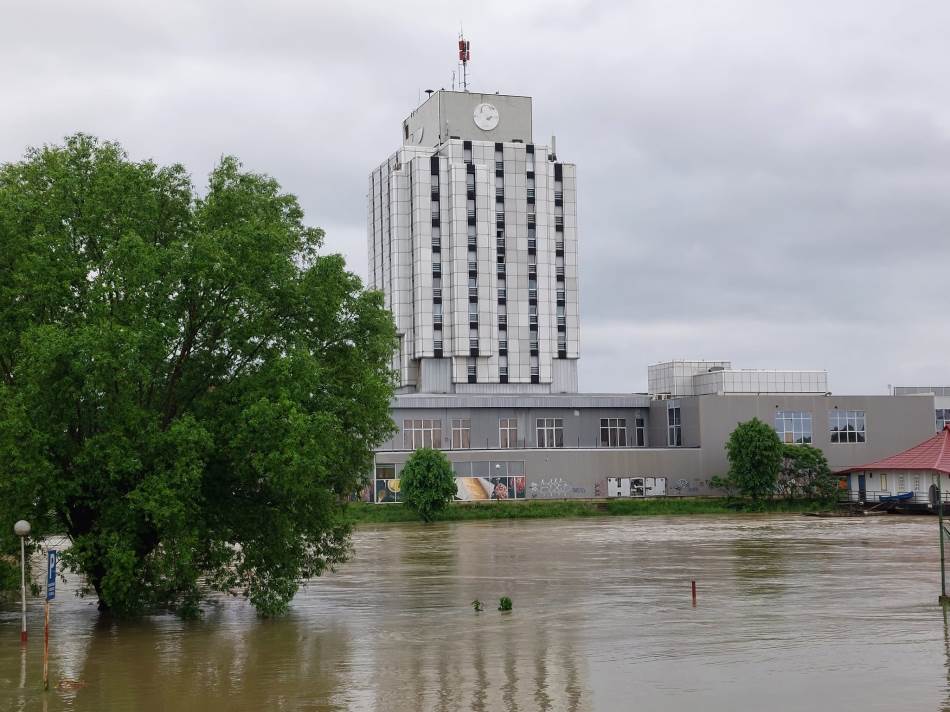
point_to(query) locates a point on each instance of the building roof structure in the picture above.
(932, 455)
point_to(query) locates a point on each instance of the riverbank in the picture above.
(367, 513)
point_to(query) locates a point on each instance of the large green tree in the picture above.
(188, 389)
(755, 458)
(427, 482)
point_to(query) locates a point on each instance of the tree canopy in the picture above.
(427, 482)
(805, 474)
(755, 458)
(188, 388)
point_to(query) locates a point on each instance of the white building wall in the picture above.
(402, 260)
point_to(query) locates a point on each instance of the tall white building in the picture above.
(472, 232)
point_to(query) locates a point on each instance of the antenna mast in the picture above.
(464, 56)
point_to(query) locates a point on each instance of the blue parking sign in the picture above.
(52, 556)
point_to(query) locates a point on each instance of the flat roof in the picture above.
(521, 400)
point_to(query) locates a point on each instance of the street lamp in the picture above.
(22, 530)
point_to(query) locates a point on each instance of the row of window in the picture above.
(423, 432)
(943, 418)
(793, 427)
(844, 426)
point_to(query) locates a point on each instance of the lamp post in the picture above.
(22, 530)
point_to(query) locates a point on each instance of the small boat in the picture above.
(900, 497)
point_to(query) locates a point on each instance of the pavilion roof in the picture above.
(933, 454)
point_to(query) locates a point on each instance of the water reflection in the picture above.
(801, 614)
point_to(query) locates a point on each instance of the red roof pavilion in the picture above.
(932, 455)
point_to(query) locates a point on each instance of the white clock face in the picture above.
(486, 117)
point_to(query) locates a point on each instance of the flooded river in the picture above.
(793, 613)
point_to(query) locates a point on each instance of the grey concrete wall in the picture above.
(893, 424)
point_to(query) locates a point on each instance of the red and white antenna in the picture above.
(465, 54)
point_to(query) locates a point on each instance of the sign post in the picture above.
(51, 558)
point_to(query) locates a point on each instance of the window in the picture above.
(943, 418)
(550, 432)
(883, 482)
(472, 374)
(386, 486)
(641, 431)
(846, 426)
(613, 432)
(461, 433)
(508, 432)
(793, 427)
(421, 433)
(674, 426)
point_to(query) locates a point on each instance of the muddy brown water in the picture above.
(793, 613)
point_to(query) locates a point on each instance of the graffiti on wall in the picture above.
(555, 488)
(684, 486)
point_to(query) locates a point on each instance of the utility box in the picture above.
(647, 486)
(654, 487)
(618, 486)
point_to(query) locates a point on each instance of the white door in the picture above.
(659, 487)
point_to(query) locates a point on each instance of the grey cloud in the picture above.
(759, 181)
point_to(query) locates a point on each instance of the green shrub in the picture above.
(427, 483)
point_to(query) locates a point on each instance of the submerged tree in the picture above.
(427, 482)
(755, 457)
(805, 474)
(187, 388)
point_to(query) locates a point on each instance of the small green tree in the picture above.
(755, 458)
(427, 482)
(805, 474)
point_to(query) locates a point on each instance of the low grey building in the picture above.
(576, 445)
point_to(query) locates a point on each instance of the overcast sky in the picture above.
(765, 182)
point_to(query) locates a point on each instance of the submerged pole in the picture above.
(693, 582)
(944, 599)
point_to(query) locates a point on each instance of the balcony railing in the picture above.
(437, 293)
(500, 242)
(501, 269)
(502, 294)
(533, 319)
(500, 193)
(558, 195)
(503, 319)
(559, 271)
(472, 241)
(499, 165)
(559, 221)
(436, 268)
(472, 266)
(436, 318)
(473, 292)
(531, 193)
(471, 214)
(532, 244)
(533, 294)
(562, 321)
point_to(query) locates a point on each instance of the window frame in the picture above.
(674, 426)
(461, 433)
(550, 432)
(802, 418)
(505, 431)
(421, 432)
(840, 423)
(613, 432)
